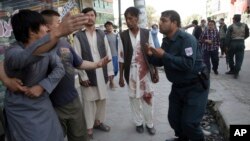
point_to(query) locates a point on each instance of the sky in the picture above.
(183, 7)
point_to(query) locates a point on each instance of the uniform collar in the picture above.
(177, 33)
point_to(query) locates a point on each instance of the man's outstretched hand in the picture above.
(71, 23)
(103, 62)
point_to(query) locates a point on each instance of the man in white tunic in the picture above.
(92, 45)
(134, 68)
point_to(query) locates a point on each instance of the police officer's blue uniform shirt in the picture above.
(182, 59)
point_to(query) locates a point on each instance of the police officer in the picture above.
(236, 34)
(182, 61)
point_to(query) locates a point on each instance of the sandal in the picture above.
(102, 127)
(90, 136)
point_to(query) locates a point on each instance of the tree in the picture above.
(189, 19)
(151, 15)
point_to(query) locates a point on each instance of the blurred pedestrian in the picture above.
(222, 31)
(203, 25)
(113, 43)
(210, 42)
(235, 41)
(154, 33)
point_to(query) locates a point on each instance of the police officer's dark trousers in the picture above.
(187, 103)
(236, 50)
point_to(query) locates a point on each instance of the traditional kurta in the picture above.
(32, 119)
(94, 93)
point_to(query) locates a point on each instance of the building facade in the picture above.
(217, 9)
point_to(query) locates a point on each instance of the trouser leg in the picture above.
(136, 108)
(148, 112)
(100, 110)
(231, 57)
(193, 110)
(89, 112)
(215, 59)
(239, 56)
(206, 58)
(174, 111)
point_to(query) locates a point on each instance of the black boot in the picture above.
(230, 72)
(178, 139)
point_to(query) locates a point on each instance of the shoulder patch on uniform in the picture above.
(189, 51)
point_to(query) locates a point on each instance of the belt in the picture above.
(187, 84)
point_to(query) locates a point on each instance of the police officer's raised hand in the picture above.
(70, 23)
(157, 52)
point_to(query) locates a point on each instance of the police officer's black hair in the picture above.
(48, 13)
(132, 11)
(173, 16)
(88, 9)
(23, 22)
(195, 22)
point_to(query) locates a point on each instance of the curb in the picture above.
(223, 128)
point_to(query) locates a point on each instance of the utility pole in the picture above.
(140, 4)
(120, 17)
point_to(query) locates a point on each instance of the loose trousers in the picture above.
(142, 112)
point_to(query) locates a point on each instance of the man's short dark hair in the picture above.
(203, 20)
(133, 11)
(153, 25)
(23, 22)
(48, 13)
(173, 16)
(222, 19)
(195, 22)
(108, 23)
(212, 21)
(237, 17)
(88, 9)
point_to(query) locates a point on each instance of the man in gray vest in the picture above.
(133, 67)
(235, 41)
(92, 45)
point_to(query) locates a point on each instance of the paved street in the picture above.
(231, 94)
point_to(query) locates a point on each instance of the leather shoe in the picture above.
(230, 72)
(177, 139)
(236, 75)
(140, 129)
(151, 131)
(216, 72)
